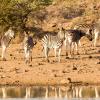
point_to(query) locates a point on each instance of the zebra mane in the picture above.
(82, 33)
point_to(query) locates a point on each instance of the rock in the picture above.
(16, 81)
(26, 70)
(98, 51)
(3, 76)
(74, 68)
(11, 55)
(1, 68)
(30, 65)
(14, 57)
(98, 62)
(40, 64)
(64, 71)
(90, 57)
(67, 57)
(58, 75)
(55, 75)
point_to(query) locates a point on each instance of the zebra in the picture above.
(5, 41)
(72, 38)
(95, 34)
(28, 43)
(50, 41)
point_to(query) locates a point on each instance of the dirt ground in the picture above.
(82, 69)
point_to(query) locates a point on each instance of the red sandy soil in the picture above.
(83, 68)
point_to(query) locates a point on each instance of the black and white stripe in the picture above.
(50, 41)
(28, 46)
(5, 41)
(72, 39)
(95, 34)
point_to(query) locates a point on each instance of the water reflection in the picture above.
(28, 92)
(50, 92)
(4, 93)
(96, 92)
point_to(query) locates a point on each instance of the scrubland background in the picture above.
(38, 16)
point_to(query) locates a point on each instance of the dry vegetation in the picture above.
(73, 12)
(70, 13)
(39, 16)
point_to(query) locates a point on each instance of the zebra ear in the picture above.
(25, 33)
(63, 29)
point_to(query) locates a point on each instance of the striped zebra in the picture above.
(28, 43)
(53, 41)
(5, 41)
(95, 34)
(72, 39)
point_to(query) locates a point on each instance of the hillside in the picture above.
(39, 16)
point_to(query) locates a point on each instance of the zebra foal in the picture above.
(28, 43)
(53, 41)
(5, 41)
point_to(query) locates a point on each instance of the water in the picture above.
(56, 92)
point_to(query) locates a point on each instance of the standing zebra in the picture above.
(28, 46)
(94, 33)
(53, 41)
(5, 41)
(72, 38)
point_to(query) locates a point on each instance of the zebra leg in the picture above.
(65, 43)
(76, 43)
(3, 52)
(95, 38)
(85, 51)
(59, 52)
(46, 51)
(30, 55)
(26, 52)
(70, 53)
(79, 43)
(55, 52)
(72, 47)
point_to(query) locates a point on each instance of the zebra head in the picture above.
(61, 33)
(89, 34)
(10, 33)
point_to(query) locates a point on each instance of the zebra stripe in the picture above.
(28, 46)
(50, 41)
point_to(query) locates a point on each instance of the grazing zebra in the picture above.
(72, 38)
(5, 41)
(28, 46)
(53, 41)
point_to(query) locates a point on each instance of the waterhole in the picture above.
(47, 92)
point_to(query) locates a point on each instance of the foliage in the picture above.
(22, 14)
(15, 12)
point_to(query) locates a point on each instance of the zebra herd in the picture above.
(70, 38)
